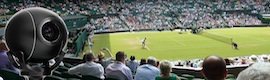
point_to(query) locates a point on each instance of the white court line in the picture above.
(177, 41)
(145, 45)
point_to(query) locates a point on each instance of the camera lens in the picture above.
(50, 31)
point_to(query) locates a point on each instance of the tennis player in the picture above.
(235, 46)
(143, 42)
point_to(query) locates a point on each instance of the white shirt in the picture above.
(118, 70)
(88, 68)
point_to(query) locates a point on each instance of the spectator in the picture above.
(143, 61)
(103, 60)
(227, 61)
(5, 63)
(265, 58)
(132, 64)
(166, 69)
(257, 71)
(214, 68)
(118, 70)
(254, 59)
(147, 71)
(89, 67)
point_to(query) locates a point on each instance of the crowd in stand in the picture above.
(257, 6)
(241, 19)
(233, 61)
(107, 23)
(155, 14)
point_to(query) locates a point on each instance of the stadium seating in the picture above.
(189, 77)
(87, 77)
(10, 75)
(54, 78)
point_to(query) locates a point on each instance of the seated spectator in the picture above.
(118, 70)
(132, 64)
(89, 67)
(166, 69)
(103, 60)
(243, 61)
(143, 61)
(5, 62)
(147, 71)
(227, 61)
(265, 58)
(257, 71)
(214, 68)
(253, 59)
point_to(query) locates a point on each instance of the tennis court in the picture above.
(173, 46)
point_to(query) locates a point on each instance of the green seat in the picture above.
(73, 79)
(67, 75)
(62, 69)
(197, 79)
(10, 75)
(54, 78)
(189, 77)
(183, 78)
(88, 77)
(56, 73)
(230, 76)
(68, 65)
(110, 79)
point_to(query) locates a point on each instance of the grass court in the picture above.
(170, 45)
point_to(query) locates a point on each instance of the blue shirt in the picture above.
(5, 63)
(132, 65)
(118, 70)
(147, 72)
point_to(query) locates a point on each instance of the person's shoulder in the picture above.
(109, 66)
(174, 77)
(97, 64)
(155, 69)
(158, 77)
(125, 67)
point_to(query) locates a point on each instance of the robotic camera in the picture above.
(34, 36)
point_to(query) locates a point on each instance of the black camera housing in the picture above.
(35, 36)
(38, 33)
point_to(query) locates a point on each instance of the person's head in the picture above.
(214, 68)
(227, 61)
(152, 60)
(253, 58)
(143, 61)
(165, 67)
(89, 56)
(101, 55)
(121, 56)
(132, 58)
(257, 71)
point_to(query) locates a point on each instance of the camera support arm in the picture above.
(58, 59)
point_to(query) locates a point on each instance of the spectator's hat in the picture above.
(253, 57)
(264, 57)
